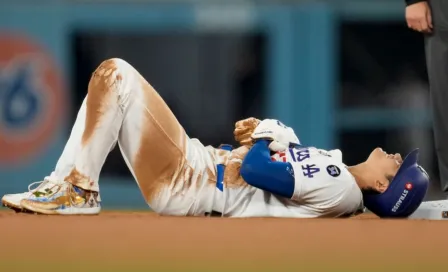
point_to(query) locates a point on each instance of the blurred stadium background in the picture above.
(343, 73)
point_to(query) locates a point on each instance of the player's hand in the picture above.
(232, 176)
(244, 129)
(418, 17)
(280, 135)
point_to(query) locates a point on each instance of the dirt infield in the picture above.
(127, 241)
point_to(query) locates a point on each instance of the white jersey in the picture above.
(323, 187)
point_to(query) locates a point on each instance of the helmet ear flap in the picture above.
(405, 193)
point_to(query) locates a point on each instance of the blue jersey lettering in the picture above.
(300, 155)
(309, 170)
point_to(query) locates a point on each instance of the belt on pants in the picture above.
(220, 178)
(220, 169)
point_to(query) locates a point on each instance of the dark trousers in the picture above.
(436, 49)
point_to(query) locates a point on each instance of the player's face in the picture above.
(384, 168)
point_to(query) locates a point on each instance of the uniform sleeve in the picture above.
(260, 171)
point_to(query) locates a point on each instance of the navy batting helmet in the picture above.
(405, 193)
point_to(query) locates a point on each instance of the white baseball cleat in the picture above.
(63, 199)
(12, 201)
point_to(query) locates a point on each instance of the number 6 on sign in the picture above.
(32, 99)
(19, 103)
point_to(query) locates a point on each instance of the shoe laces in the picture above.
(51, 182)
(48, 182)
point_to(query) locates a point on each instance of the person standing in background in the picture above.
(430, 17)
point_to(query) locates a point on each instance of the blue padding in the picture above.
(260, 171)
(220, 168)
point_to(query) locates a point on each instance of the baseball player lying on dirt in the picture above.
(269, 175)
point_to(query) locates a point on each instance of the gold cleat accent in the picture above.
(63, 201)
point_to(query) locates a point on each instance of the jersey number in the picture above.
(299, 156)
(309, 170)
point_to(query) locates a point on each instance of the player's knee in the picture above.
(107, 76)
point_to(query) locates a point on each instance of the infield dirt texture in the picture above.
(144, 241)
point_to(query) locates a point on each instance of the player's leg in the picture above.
(172, 170)
(436, 47)
(122, 105)
(94, 134)
(56, 177)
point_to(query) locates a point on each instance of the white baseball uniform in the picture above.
(323, 187)
(178, 175)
